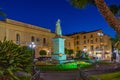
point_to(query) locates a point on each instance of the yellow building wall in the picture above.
(79, 41)
(10, 28)
(84, 41)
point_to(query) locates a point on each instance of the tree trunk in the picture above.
(108, 15)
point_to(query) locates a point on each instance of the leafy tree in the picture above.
(79, 53)
(106, 11)
(13, 58)
(70, 52)
(82, 55)
(66, 51)
(42, 52)
(116, 42)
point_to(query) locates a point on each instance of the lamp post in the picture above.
(84, 52)
(101, 46)
(85, 49)
(90, 53)
(32, 45)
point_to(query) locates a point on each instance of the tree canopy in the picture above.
(116, 41)
(42, 52)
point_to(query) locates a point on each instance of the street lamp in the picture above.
(101, 46)
(84, 52)
(84, 49)
(90, 53)
(32, 45)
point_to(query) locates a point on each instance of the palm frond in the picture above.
(114, 9)
(116, 41)
(3, 14)
(81, 3)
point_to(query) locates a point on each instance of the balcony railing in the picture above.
(27, 43)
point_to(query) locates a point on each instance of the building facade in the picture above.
(95, 43)
(23, 34)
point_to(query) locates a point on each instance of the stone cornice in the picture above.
(17, 23)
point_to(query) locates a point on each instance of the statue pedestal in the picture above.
(58, 55)
(58, 50)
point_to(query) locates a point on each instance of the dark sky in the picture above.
(45, 13)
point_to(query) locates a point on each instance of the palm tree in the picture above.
(79, 53)
(3, 14)
(70, 52)
(116, 42)
(104, 10)
(13, 58)
(66, 51)
(114, 9)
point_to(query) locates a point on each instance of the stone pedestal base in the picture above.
(58, 57)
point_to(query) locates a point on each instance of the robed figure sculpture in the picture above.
(58, 30)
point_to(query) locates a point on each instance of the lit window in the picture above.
(32, 39)
(38, 39)
(96, 39)
(17, 38)
(91, 36)
(84, 37)
(91, 48)
(77, 37)
(84, 47)
(44, 41)
(91, 41)
(77, 42)
(88, 41)
(84, 42)
(101, 39)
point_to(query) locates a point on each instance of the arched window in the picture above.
(84, 37)
(38, 39)
(77, 37)
(17, 38)
(32, 39)
(91, 48)
(44, 41)
(91, 36)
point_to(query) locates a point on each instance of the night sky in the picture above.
(45, 13)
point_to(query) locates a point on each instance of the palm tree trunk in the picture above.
(108, 15)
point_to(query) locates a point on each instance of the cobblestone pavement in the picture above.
(73, 75)
(100, 69)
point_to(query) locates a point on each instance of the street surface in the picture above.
(71, 75)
